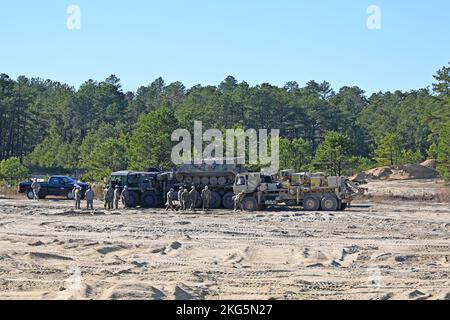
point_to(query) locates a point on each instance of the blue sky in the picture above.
(203, 41)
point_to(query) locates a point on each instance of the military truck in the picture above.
(147, 189)
(218, 174)
(312, 191)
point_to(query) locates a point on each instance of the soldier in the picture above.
(180, 192)
(75, 186)
(74, 195)
(117, 197)
(109, 198)
(238, 200)
(206, 198)
(36, 187)
(170, 198)
(193, 195)
(185, 199)
(77, 197)
(125, 197)
(90, 198)
(105, 197)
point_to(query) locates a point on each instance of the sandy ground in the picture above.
(395, 250)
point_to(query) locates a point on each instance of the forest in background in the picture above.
(50, 127)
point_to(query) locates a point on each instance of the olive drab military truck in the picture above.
(312, 191)
(218, 174)
(146, 189)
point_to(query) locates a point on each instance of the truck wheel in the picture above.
(330, 203)
(216, 201)
(133, 200)
(188, 180)
(222, 181)
(30, 195)
(249, 204)
(311, 203)
(69, 195)
(227, 201)
(149, 200)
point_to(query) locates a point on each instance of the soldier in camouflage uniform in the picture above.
(90, 199)
(125, 197)
(180, 192)
(117, 196)
(36, 187)
(105, 193)
(185, 199)
(77, 197)
(170, 199)
(206, 198)
(193, 196)
(109, 197)
(238, 200)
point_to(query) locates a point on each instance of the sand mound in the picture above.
(184, 292)
(405, 172)
(48, 256)
(135, 292)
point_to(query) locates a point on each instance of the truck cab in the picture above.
(312, 191)
(147, 189)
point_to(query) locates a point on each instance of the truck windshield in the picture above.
(69, 180)
(240, 181)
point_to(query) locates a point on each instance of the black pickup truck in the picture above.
(56, 186)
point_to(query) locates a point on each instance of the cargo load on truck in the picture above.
(312, 191)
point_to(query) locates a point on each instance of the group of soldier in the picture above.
(89, 196)
(113, 196)
(189, 199)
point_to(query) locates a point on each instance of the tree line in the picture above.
(47, 126)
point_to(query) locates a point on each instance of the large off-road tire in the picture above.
(149, 200)
(330, 203)
(249, 204)
(214, 181)
(227, 201)
(30, 194)
(69, 195)
(133, 200)
(196, 181)
(311, 203)
(216, 201)
(204, 181)
(222, 181)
